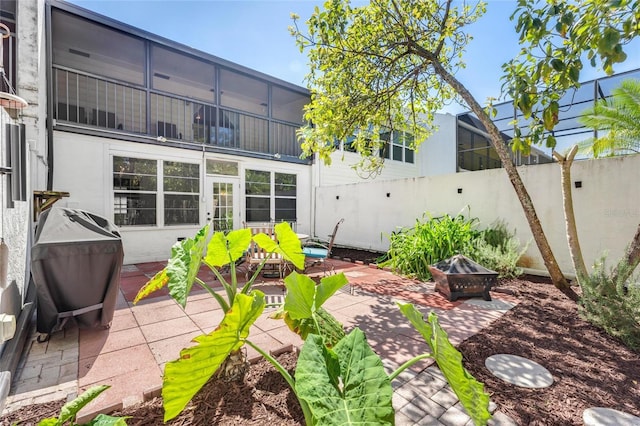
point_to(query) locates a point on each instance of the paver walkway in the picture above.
(130, 356)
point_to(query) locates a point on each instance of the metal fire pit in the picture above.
(460, 276)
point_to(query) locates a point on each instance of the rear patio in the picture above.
(131, 354)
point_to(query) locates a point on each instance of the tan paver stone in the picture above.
(122, 320)
(285, 336)
(152, 313)
(264, 323)
(113, 364)
(445, 397)
(166, 350)
(207, 304)
(94, 342)
(169, 328)
(265, 342)
(207, 321)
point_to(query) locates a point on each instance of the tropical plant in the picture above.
(223, 251)
(612, 305)
(412, 250)
(497, 248)
(391, 64)
(339, 379)
(619, 118)
(69, 411)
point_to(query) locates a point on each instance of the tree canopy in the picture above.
(556, 38)
(372, 68)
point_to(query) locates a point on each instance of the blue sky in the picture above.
(254, 34)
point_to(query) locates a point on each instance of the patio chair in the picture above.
(256, 255)
(317, 251)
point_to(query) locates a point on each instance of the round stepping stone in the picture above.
(599, 416)
(519, 371)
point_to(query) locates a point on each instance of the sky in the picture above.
(254, 34)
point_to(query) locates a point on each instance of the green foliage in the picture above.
(555, 37)
(374, 67)
(339, 379)
(498, 249)
(619, 116)
(69, 411)
(412, 250)
(469, 391)
(346, 385)
(184, 377)
(613, 306)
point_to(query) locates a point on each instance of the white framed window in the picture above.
(139, 199)
(270, 196)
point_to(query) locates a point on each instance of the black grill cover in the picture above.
(75, 261)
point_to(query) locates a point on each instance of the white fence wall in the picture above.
(607, 206)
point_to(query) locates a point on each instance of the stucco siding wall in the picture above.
(607, 206)
(83, 167)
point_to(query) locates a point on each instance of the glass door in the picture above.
(223, 205)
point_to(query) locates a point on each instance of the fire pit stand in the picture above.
(460, 276)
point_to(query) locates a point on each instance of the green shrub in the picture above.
(412, 250)
(613, 306)
(498, 249)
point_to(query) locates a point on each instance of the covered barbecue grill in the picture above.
(75, 261)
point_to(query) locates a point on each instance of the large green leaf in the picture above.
(182, 268)
(225, 249)
(346, 385)
(287, 245)
(322, 323)
(70, 409)
(184, 377)
(299, 302)
(469, 391)
(154, 284)
(105, 420)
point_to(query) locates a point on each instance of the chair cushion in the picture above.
(314, 252)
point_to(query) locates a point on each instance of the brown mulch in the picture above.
(589, 369)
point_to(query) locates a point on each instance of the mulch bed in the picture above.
(589, 368)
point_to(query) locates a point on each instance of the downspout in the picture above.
(49, 120)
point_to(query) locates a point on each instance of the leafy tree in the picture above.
(619, 117)
(392, 63)
(555, 36)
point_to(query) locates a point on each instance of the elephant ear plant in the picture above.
(339, 379)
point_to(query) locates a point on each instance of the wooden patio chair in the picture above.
(256, 255)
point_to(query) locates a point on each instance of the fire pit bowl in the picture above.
(460, 276)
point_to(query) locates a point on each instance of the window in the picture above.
(181, 184)
(270, 196)
(475, 151)
(219, 167)
(258, 193)
(285, 197)
(397, 146)
(137, 197)
(135, 186)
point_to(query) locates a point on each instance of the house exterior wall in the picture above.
(606, 206)
(436, 155)
(84, 168)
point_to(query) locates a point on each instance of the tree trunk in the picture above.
(630, 259)
(569, 216)
(498, 144)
